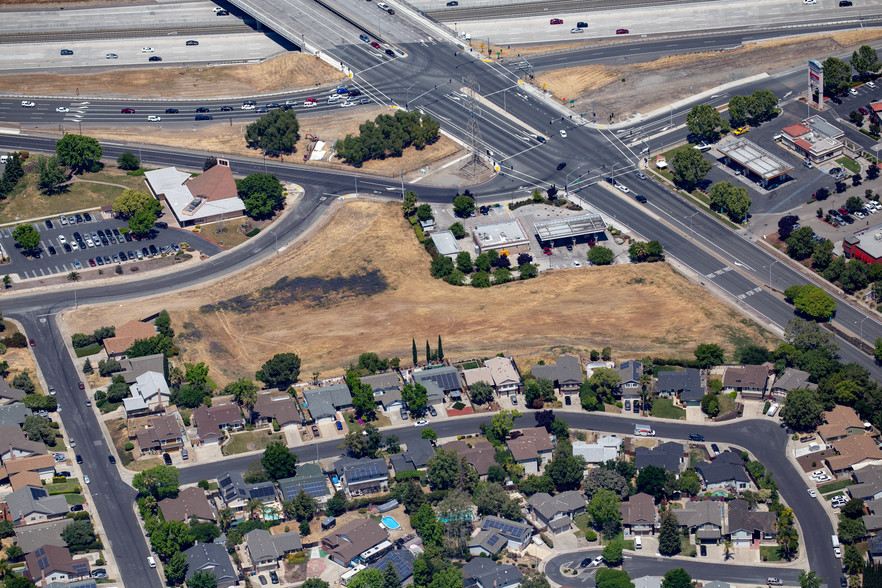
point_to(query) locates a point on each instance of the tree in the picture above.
(703, 120)
(872, 172)
(443, 469)
(367, 578)
(731, 199)
(171, 537)
(315, 583)
(612, 553)
(481, 393)
(205, 532)
(492, 499)
(415, 396)
(856, 117)
(535, 579)
(408, 205)
(528, 271)
(364, 443)
(877, 351)
(565, 471)
(502, 423)
(710, 405)
(600, 255)
(677, 578)
(424, 212)
(851, 531)
(690, 483)
(281, 371)
(414, 350)
(837, 76)
(852, 561)
(801, 410)
(787, 536)
(131, 201)
(428, 351)
(160, 482)
(604, 510)
(669, 534)
(278, 461)
(801, 243)
(812, 300)
(864, 61)
(79, 535)
(17, 581)
(805, 335)
(605, 479)
(176, 568)
(204, 579)
(262, 195)
(689, 167)
(458, 230)
(737, 110)
(128, 161)
(336, 505)
(13, 173)
(854, 276)
(604, 381)
(463, 205)
(651, 480)
(38, 429)
(278, 132)
(464, 262)
(209, 163)
(244, 392)
(27, 237)
(142, 221)
(823, 255)
(78, 152)
(610, 578)
(709, 355)
(50, 176)
(762, 105)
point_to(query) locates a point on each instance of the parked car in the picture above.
(315, 431)
(432, 411)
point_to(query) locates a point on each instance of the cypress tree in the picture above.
(428, 351)
(440, 349)
(413, 341)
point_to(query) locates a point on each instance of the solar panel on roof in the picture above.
(504, 527)
(43, 562)
(367, 472)
(446, 380)
(493, 540)
(401, 563)
(261, 491)
(82, 569)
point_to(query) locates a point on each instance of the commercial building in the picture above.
(814, 139)
(865, 245)
(578, 229)
(756, 162)
(208, 197)
(500, 235)
(445, 243)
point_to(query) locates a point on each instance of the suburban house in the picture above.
(414, 458)
(14, 415)
(683, 384)
(666, 455)
(566, 374)
(402, 561)
(479, 374)
(209, 197)
(32, 504)
(266, 550)
(162, 434)
(323, 403)
(479, 453)
(132, 367)
(506, 378)
(445, 377)
(33, 537)
(361, 540)
(791, 379)
(854, 453)
(14, 444)
(125, 337)
(747, 526)
(546, 509)
(639, 515)
(212, 557)
(510, 534)
(603, 450)
(747, 379)
(530, 448)
(310, 479)
(191, 502)
(149, 393)
(212, 421)
(839, 423)
(868, 483)
(630, 372)
(875, 552)
(8, 394)
(51, 563)
(704, 518)
(482, 572)
(41, 466)
(279, 407)
(387, 390)
(362, 476)
(726, 471)
(236, 493)
(647, 582)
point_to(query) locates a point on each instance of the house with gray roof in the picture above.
(868, 483)
(630, 372)
(792, 379)
(639, 515)
(875, 551)
(725, 471)
(359, 539)
(363, 476)
(566, 373)
(14, 444)
(479, 453)
(13, 415)
(446, 378)
(323, 403)
(482, 572)
(683, 384)
(132, 367)
(487, 543)
(668, 456)
(310, 479)
(266, 550)
(546, 508)
(386, 388)
(8, 394)
(704, 518)
(213, 558)
(745, 526)
(32, 537)
(31, 505)
(402, 561)
(414, 458)
(647, 582)
(516, 536)
(236, 494)
(605, 449)
(89, 583)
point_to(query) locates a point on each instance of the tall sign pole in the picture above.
(815, 84)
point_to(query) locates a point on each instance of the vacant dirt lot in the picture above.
(686, 75)
(328, 317)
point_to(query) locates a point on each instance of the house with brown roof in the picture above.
(51, 563)
(191, 502)
(22, 479)
(364, 539)
(211, 422)
(855, 452)
(530, 447)
(751, 380)
(279, 407)
(126, 335)
(639, 515)
(43, 466)
(839, 423)
(499, 372)
(479, 453)
(14, 444)
(162, 434)
(209, 197)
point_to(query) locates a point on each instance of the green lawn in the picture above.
(726, 403)
(770, 553)
(833, 486)
(64, 488)
(75, 499)
(664, 408)
(250, 441)
(849, 164)
(88, 350)
(695, 456)
(583, 521)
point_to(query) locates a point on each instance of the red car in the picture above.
(82, 386)
(128, 111)
(375, 45)
(33, 343)
(546, 250)
(92, 261)
(622, 31)
(863, 110)
(556, 21)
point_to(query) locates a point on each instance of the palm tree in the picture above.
(225, 516)
(73, 276)
(727, 547)
(254, 505)
(645, 381)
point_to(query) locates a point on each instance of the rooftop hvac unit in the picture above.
(878, 236)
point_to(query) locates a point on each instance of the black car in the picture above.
(107, 260)
(67, 248)
(581, 25)
(111, 459)
(76, 508)
(79, 218)
(222, 13)
(87, 217)
(540, 138)
(79, 458)
(155, 58)
(355, 92)
(226, 108)
(153, 250)
(145, 252)
(128, 237)
(204, 117)
(274, 577)
(845, 3)
(98, 260)
(48, 224)
(843, 581)
(561, 165)
(191, 43)
(64, 474)
(104, 240)
(704, 550)
(432, 411)
(52, 250)
(640, 199)
(122, 256)
(453, 3)
(585, 562)
(696, 437)
(66, 52)
(171, 111)
(160, 225)
(273, 105)
(715, 449)
(203, 109)
(166, 458)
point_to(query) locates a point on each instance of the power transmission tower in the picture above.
(473, 129)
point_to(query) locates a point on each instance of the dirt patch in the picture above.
(586, 308)
(20, 360)
(632, 88)
(287, 72)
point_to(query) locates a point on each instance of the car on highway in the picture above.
(740, 130)
(622, 188)
(622, 31)
(555, 21)
(844, 3)
(561, 165)
(576, 30)
(226, 108)
(453, 3)
(191, 43)
(155, 58)
(582, 25)
(67, 52)
(27, 104)
(640, 175)
(375, 45)
(203, 117)
(421, 423)
(154, 118)
(273, 105)
(364, 38)
(111, 56)
(62, 109)
(203, 109)
(563, 133)
(640, 199)
(127, 111)
(146, 49)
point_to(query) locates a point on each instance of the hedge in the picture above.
(252, 232)
(410, 475)
(90, 350)
(364, 502)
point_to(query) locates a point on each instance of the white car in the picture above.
(248, 107)
(150, 561)
(61, 239)
(871, 85)
(421, 423)
(812, 493)
(563, 133)
(111, 56)
(623, 188)
(347, 104)
(577, 263)
(86, 479)
(852, 91)
(27, 104)
(62, 109)
(383, 6)
(153, 118)
(146, 49)
(859, 214)
(575, 31)
(597, 561)
(837, 552)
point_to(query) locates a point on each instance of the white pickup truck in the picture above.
(643, 431)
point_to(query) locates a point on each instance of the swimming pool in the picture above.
(390, 523)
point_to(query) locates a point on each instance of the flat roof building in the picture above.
(814, 138)
(566, 230)
(755, 160)
(500, 235)
(446, 243)
(865, 245)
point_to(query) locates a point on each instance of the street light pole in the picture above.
(862, 329)
(356, 183)
(770, 273)
(691, 230)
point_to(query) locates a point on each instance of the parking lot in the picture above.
(100, 238)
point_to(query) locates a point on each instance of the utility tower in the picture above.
(476, 160)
